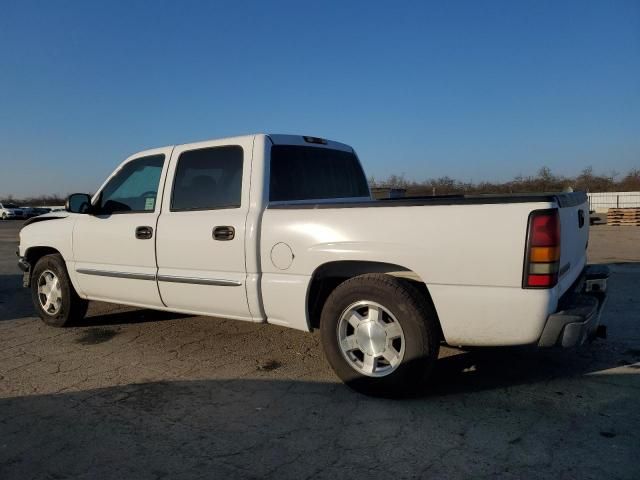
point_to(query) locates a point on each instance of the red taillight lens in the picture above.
(543, 250)
(544, 230)
(542, 281)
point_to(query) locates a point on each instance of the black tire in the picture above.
(71, 307)
(411, 310)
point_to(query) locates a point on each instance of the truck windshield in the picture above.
(312, 173)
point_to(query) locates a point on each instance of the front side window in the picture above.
(208, 179)
(134, 188)
(310, 173)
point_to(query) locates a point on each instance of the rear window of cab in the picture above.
(310, 173)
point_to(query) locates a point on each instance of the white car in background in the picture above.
(10, 210)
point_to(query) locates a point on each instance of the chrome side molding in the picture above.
(106, 273)
(161, 278)
(199, 281)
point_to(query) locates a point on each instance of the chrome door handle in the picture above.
(144, 233)
(224, 233)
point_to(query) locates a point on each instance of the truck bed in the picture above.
(568, 199)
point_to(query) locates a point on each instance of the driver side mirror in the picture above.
(78, 203)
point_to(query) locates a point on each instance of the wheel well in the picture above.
(328, 276)
(34, 254)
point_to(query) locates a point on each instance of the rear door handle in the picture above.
(144, 233)
(224, 233)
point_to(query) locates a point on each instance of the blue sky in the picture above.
(477, 90)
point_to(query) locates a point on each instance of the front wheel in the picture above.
(53, 295)
(380, 335)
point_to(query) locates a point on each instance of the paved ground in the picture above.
(141, 394)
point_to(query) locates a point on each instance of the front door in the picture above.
(201, 232)
(114, 248)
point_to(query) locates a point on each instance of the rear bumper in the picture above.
(578, 315)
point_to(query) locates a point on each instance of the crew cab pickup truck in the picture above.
(282, 229)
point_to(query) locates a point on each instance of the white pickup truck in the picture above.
(282, 229)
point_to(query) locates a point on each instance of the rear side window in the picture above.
(133, 188)
(309, 173)
(207, 179)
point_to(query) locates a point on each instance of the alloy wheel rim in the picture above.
(371, 339)
(49, 292)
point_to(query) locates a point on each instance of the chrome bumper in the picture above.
(578, 315)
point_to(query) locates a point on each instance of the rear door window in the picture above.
(208, 179)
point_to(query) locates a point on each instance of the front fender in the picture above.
(56, 235)
(50, 236)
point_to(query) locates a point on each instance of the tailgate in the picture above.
(574, 235)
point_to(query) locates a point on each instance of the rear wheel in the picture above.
(52, 293)
(380, 335)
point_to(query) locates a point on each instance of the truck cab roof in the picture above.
(275, 138)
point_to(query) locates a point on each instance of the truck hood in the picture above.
(46, 216)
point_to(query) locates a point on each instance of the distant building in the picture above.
(602, 202)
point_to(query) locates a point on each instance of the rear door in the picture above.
(201, 232)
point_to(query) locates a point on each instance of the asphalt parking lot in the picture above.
(141, 394)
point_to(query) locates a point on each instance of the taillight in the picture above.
(542, 257)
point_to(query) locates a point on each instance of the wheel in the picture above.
(4, 215)
(380, 335)
(53, 295)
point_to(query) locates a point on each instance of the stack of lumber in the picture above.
(623, 216)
